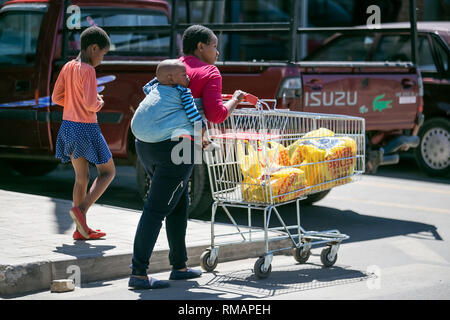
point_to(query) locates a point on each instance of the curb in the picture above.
(26, 278)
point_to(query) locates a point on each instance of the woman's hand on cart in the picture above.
(238, 95)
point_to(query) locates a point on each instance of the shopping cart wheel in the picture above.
(206, 263)
(259, 269)
(301, 255)
(326, 257)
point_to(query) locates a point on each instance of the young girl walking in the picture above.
(79, 138)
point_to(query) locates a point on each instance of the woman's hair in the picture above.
(94, 35)
(193, 35)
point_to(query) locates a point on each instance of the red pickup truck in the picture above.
(34, 46)
(433, 153)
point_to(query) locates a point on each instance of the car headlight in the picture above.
(290, 88)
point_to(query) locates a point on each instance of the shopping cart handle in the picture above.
(251, 99)
(247, 98)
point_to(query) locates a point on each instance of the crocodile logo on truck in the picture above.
(380, 105)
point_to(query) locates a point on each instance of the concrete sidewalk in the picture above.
(37, 245)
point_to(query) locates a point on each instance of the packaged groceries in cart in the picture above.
(269, 157)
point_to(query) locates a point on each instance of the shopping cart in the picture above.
(268, 158)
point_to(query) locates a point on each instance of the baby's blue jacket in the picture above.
(160, 116)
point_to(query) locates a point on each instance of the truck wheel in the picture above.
(315, 197)
(199, 190)
(433, 153)
(142, 180)
(33, 168)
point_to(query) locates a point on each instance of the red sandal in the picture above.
(93, 235)
(80, 221)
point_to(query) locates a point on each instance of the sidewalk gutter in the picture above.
(36, 276)
(37, 245)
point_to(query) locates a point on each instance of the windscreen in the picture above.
(124, 29)
(19, 32)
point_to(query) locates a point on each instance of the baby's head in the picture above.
(171, 72)
(95, 44)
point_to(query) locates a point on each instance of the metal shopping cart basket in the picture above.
(269, 157)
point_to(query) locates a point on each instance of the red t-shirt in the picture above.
(206, 83)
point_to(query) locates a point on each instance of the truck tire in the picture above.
(31, 168)
(433, 153)
(199, 190)
(142, 180)
(315, 197)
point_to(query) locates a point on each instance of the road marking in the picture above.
(391, 204)
(417, 250)
(403, 187)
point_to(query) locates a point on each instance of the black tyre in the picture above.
(259, 273)
(207, 265)
(199, 190)
(325, 257)
(33, 168)
(142, 180)
(433, 152)
(301, 255)
(315, 197)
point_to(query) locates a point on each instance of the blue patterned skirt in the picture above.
(82, 140)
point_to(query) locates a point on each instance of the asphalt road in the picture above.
(398, 222)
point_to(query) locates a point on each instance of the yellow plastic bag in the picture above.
(329, 159)
(278, 184)
(321, 158)
(250, 164)
(267, 158)
(319, 133)
(285, 181)
(341, 159)
(297, 152)
(277, 154)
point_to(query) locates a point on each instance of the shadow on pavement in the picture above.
(319, 218)
(362, 227)
(58, 185)
(243, 284)
(62, 216)
(79, 249)
(408, 169)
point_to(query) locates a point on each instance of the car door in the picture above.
(397, 48)
(432, 60)
(433, 153)
(20, 26)
(437, 83)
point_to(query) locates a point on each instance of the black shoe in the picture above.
(183, 275)
(152, 283)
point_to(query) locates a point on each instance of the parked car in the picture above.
(34, 47)
(433, 153)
